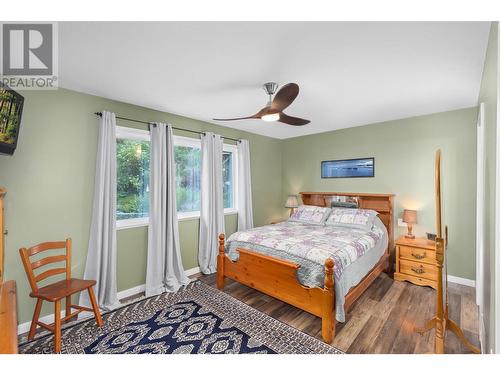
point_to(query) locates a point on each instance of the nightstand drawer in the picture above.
(421, 270)
(417, 254)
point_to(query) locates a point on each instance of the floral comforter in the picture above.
(308, 245)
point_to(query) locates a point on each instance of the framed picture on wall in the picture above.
(347, 168)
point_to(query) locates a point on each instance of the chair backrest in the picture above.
(30, 267)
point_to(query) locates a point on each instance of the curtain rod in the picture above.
(173, 127)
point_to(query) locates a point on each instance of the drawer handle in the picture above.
(418, 270)
(418, 256)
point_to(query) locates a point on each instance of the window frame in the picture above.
(123, 132)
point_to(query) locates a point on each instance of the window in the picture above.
(229, 163)
(132, 169)
(132, 177)
(188, 173)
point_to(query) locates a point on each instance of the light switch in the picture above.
(401, 223)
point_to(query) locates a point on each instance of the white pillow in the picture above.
(311, 214)
(357, 218)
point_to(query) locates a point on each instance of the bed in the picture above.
(318, 268)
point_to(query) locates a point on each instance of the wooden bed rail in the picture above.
(278, 278)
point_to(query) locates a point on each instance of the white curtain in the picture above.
(245, 212)
(165, 272)
(212, 206)
(101, 255)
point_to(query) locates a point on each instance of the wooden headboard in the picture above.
(382, 203)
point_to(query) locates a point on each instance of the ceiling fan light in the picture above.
(271, 117)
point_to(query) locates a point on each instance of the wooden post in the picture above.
(95, 307)
(220, 262)
(440, 308)
(388, 266)
(36, 316)
(57, 326)
(68, 258)
(328, 320)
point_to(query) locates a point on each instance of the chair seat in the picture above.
(61, 289)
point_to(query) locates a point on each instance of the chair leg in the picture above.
(68, 306)
(36, 316)
(95, 307)
(57, 326)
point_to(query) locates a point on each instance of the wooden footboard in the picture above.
(278, 278)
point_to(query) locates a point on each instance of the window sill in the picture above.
(131, 223)
(186, 216)
(181, 216)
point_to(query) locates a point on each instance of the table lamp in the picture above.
(292, 203)
(410, 218)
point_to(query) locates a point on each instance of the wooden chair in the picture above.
(55, 292)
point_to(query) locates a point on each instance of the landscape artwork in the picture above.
(11, 105)
(348, 168)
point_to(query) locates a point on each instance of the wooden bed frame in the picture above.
(278, 278)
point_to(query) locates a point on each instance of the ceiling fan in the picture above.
(273, 111)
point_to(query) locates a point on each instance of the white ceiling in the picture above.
(349, 73)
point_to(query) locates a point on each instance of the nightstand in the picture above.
(416, 261)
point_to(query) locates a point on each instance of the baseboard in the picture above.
(25, 327)
(132, 291)
(462, 281)
(49, 319)
(192, 271)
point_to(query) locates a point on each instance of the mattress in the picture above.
(355, 252)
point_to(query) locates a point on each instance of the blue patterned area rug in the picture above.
(196, 319)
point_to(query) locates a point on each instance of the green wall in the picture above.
(488, 95)
(404, 165)
(50, 181)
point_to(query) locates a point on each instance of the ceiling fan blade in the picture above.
(285, 96)
(296, 121)
(259, 114)
(233, 119)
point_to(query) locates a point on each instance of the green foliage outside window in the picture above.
(132, 179)
(188, 169)
(227, 178)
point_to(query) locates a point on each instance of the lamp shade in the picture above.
(410, 216)
(292, 202)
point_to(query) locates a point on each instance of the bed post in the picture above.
(220, 262)
(328, 319)
(388, 267)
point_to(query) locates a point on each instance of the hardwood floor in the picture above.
(381, 321)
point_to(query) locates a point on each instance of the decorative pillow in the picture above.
(344, 201)
(344, 204)
(311, 214)
(352, 218)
